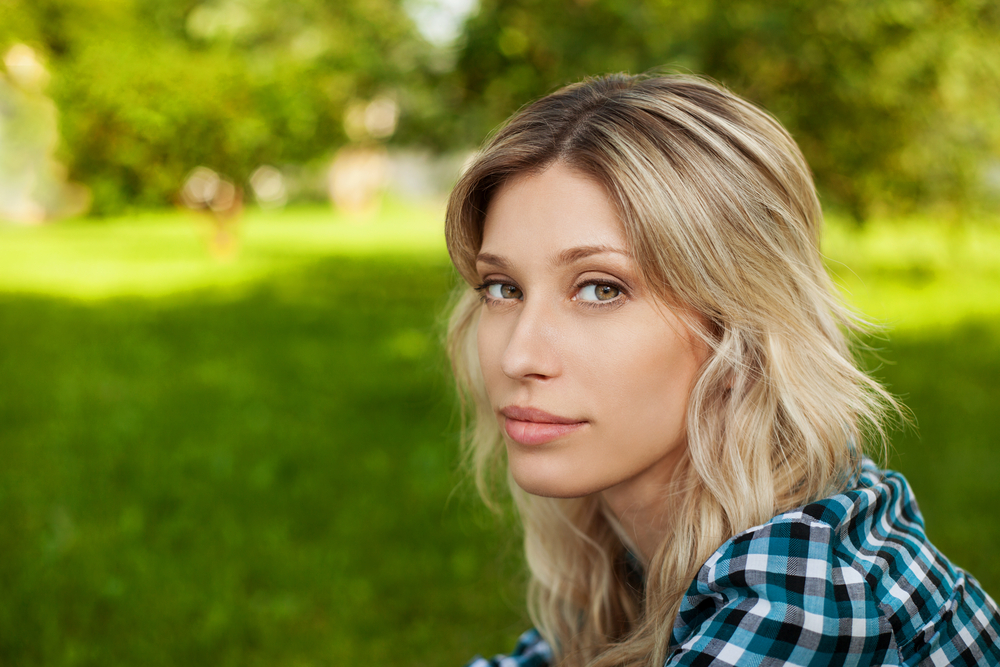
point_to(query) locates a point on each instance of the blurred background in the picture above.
(227, 432)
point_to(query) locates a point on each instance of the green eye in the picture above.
(598, 293)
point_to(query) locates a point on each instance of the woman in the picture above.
(650, 336)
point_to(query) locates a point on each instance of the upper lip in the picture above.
(524, 414)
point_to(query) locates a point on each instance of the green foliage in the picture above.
(149, 89)
(892, 101)
(258, 468)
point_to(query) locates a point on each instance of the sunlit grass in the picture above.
(912, 275)
(156, 254)
(906, 275)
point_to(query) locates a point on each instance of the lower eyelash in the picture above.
(602, 304)
(484, 296)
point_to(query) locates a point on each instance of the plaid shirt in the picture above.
(848, 580)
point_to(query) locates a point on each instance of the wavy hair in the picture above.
(722, 220)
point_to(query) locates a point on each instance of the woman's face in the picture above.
(589, 375)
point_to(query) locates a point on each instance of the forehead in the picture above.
(550, 211)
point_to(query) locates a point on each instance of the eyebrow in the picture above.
(571, 255)
(567, 256)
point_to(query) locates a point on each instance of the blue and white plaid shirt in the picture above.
(848, 580)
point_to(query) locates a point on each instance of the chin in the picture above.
(550, 480)
(548, 489)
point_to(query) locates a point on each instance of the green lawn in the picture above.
(252, 462)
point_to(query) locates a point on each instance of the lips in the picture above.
(531, 426)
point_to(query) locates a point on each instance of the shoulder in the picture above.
(850, 579)
(936, 610)
(780, 592)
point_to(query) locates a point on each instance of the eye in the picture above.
(502, 291)
(598, 292)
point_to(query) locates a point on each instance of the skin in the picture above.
(588, 373)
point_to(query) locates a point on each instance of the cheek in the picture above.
(489, 348)
(647, 382)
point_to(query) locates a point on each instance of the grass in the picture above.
(163, 253)
(252, 462)
(916, 275)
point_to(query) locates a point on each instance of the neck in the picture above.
(642, 508)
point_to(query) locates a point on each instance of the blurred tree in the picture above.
(149, 89)
(894, 102)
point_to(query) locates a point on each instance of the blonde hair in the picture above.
(721, 217)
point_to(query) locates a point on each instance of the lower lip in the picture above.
(538, 433)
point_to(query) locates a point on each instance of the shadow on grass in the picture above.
(267, 477)
(250, 480)
(951, 382)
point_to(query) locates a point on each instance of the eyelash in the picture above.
(617, 301)
(485, 285)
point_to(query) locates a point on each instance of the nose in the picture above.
(532, 350)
